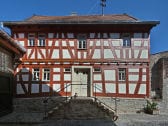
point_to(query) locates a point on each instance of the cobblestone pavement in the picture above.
(36, 119)
(142, 120)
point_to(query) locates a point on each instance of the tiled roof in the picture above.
(11, 41)
(89, 18)
(115, 19)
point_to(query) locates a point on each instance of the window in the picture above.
(97, 70)
(146, 35)
(126, 40)
(138, 35)
(31, 39)
(36, 74)
(82, 44)
(67, 69)
(46, 74)
(122, 74)
(114, 35)
(41, 40)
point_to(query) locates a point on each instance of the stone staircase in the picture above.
(81, 108)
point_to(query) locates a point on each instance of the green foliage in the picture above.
(150, 106)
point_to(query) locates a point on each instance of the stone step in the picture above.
(80, 109)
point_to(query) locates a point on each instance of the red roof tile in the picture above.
(116, 19)
(121, 17)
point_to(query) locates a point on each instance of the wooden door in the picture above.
(80, 82)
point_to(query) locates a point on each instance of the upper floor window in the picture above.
(36, 74)
(126, 40)
(82, 43)
(141, 35)
(46, 74)
(138, 35)
(31, 39)
(122, 74)
(115, 35)
(41, 39)
(146, 35)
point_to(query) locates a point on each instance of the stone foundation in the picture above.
(37, 105)
(125, 105)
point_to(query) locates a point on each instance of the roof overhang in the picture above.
(11, 23)
(10, 44)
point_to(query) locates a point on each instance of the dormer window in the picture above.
(126, 40)
(82, 43)
(41, 39)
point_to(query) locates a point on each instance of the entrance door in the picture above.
(81, 82)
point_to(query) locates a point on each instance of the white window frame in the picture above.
(31, 39)
(121, 74)
(46, 74)
(126, 40)
(115, 35)
(36, 74)
(138, 35)
(97, 69)
(82, 42)
(41, 40)
(67, 70)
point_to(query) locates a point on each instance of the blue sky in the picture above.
(11, 10)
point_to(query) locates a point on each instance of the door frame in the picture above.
(91, 73)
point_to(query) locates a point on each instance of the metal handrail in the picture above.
(67, 85)
(45, 100)
(115, 99)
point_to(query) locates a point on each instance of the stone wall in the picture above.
(6, 62)
(125, 105)
(156, 72)
(35, 104)
(159, 78)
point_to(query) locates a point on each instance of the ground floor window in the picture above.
(36, 74)
(122, 74)
(46, 74)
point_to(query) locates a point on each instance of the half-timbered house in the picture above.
(89, 55)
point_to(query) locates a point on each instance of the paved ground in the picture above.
(142, 120)
(36, 119)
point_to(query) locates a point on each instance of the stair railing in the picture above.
(45, 100)
(65, 88)
(96, 87)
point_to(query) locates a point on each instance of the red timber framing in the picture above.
(100, 63)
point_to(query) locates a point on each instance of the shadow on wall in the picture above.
(29, 84)
(6, 82)
(157, 79)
